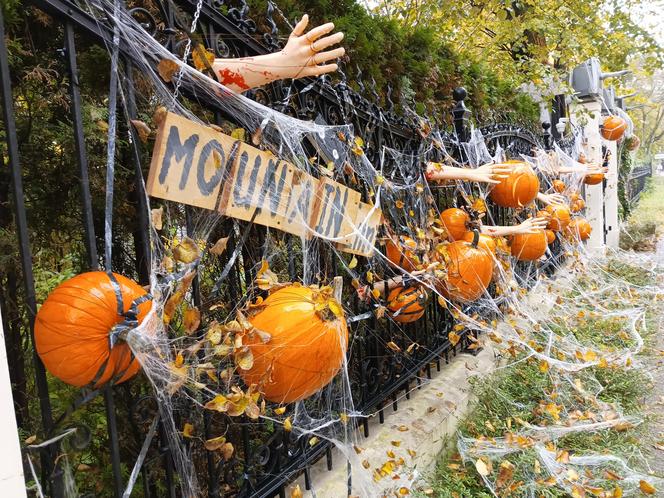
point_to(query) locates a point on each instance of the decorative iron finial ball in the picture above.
(459, 93)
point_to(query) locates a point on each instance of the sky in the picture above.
(651, 17)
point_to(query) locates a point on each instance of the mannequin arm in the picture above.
(531, 225)
(304, 55)
(488, 173)
(550, 198)
(385, 286)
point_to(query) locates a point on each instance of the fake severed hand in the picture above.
(551, 198)
(305, 54)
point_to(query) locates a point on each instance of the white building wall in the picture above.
(12, 483)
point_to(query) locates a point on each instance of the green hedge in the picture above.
(412, 60)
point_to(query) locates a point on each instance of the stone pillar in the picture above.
(588, 115)
(611, 197)
(11, 466)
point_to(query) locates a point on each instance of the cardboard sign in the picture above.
(190, 161)
(366, 223)
(282, 194)
(336, 205)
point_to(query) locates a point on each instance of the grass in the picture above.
(608, 334)
(631, 274)
(517, 392)
(646, 223)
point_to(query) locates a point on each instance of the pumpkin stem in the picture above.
(476, 238)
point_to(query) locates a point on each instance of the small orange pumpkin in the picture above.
(543, 214)
(518, 189)
(593, 178)
(613, 128)
(577, 205)
(455, 221)
(633, 143)
(306, 347)
(469, 270)
(575, 196)
(402, 253)
(486, 242)
(407, 304)
(559, 186)
(74, 326)
(550, 236)
(579, 227)
(560, 217)
(528, 246)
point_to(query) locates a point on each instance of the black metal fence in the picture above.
(266, 458)
(637, 181)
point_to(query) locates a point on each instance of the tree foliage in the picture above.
(414, 61)
(531, 40)
(647, 110)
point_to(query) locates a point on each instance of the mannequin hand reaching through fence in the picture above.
(531, 225)
(487, 173)
(383, 287)
(551, 198)
(304, 55)
(586, 168)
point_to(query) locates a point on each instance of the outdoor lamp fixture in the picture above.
(586, 79)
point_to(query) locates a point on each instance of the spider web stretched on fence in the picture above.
(202, 366)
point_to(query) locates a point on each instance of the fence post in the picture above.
(611, 224)
(546, 135)
(11, 465)
(461, 114)
(587, 115)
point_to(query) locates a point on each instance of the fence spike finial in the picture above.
(461, 114)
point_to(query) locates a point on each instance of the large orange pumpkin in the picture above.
(73, 329)
(528, 246)
(579, 227)
(486, 242)
(593, 178)
(560, 217)
(306, 347)
(455, 221)
(469, 270)
(401, 252)
(613, 127)
(559, 186)
(407, 304)
(518, 189)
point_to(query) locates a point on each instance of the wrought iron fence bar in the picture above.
(47, 455)
(79, 141)
(142, 231)
(391, 373)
